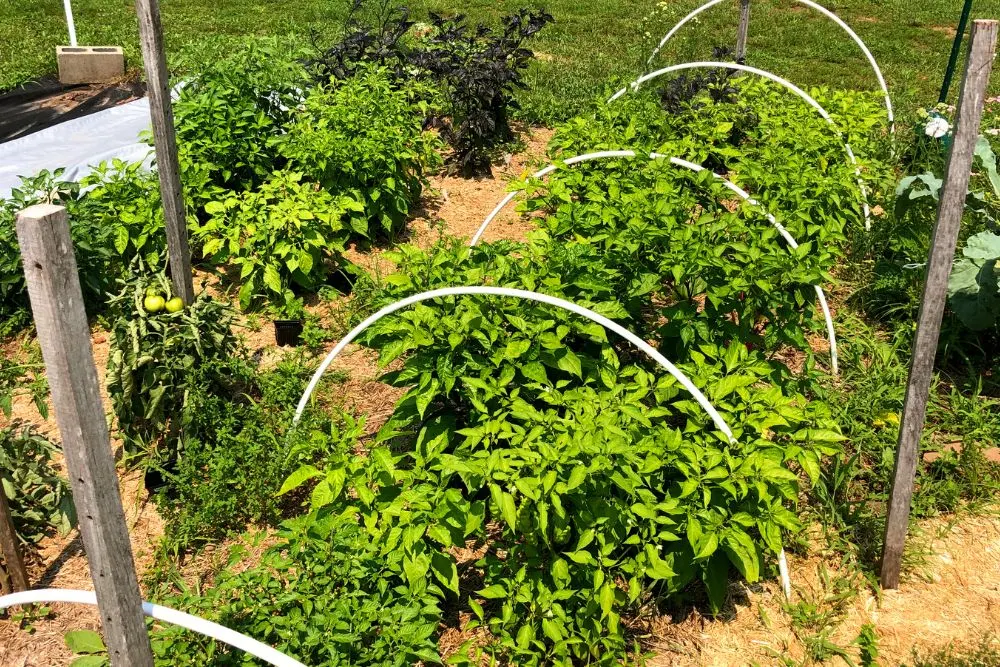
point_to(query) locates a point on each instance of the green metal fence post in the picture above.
(956, 48)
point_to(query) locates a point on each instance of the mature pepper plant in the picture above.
(592, 481)
(364, 136)
(289, 232)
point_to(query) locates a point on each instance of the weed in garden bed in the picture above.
(235, 450)
(39, 498)
(818, 613)
(851, 496)
(985, 654)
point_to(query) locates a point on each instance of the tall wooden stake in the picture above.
(982, 49)
(165, 139)
(741, 36)
(14, 577)
(64, 335)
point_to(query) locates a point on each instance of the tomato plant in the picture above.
(151, 361)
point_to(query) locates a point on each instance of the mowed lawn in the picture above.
(594, 46)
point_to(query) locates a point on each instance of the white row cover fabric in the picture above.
(78, 145)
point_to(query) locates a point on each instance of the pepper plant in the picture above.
(592, 481)
(364, 136)
(38, 496)
(287, 232)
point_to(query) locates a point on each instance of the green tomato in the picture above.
(175, 305)
(154, 303)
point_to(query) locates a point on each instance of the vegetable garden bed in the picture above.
(490, 477)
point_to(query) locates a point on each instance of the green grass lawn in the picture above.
(593, 46)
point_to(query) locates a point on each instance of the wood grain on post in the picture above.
(64, 336)
(982, 49)
(165, 140)
(14, 577)
(741, 36)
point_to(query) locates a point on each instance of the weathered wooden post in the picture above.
(64, 335)
(13, 576)
(165, 140)
(741, 36)
(982, 49)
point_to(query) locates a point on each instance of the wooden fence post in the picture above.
(165, 140)
(741, 36)
(982, 49)
(14, 577)
(60, 319)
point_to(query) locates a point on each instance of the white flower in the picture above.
(937, 127)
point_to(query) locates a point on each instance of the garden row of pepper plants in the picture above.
(537, 478)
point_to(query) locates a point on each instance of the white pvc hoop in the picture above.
(586, 157)
(823, 10)
(650, 351)
(160, 613)
(777, 79)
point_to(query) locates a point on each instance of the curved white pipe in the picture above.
(777, 79)
(586, 157)
(823, 10)
(786, 579)
(160, 613)
(519, 294)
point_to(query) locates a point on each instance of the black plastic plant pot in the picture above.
(287, 332)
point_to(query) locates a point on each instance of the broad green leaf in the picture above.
(298, 478)
(445, 571)
(715, 575)
(607, 599)
(322, 495)
(743, 554)
(516, 348)
(272, 279)
(509, 510)
(535, 371)
(493, 592)
(85, 641)
(576, 477)
(569, 362)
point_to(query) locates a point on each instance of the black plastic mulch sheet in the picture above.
(36, 106)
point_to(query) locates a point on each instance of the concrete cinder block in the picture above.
(90, 64)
